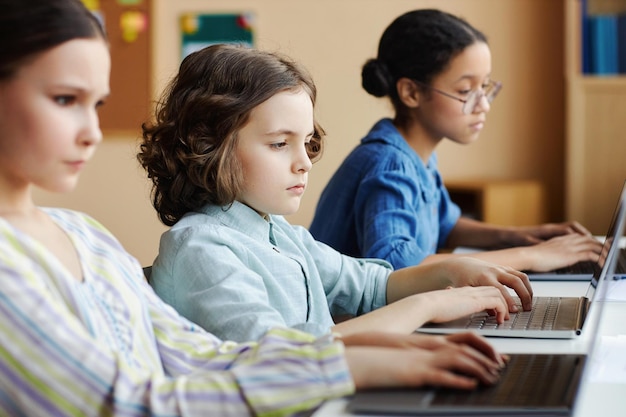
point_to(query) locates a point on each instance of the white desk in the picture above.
(596, 398)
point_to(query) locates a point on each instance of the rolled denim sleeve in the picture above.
(400, 220)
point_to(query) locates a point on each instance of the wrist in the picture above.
(423, 308)
(507, 236)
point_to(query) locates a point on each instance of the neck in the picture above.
(418, 139)
(16, 202)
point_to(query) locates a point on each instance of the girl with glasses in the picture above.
(387, 199)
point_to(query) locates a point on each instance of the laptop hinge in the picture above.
(582, 314)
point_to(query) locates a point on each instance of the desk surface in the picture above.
(596, 397)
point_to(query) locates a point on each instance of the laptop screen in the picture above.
(610, 250)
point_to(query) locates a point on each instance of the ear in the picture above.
(408, 92)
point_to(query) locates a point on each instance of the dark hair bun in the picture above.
(375, 78)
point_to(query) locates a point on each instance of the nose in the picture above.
(91, 133)
(302, 162)
(482, 105)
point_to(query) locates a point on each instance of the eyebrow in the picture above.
(470, 77)
(78, 88)
(286, 132)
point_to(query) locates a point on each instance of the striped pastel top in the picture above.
(110, 346)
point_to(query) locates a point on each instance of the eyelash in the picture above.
(278, 145)
(64, 100)
(466, 92)
(68, 100)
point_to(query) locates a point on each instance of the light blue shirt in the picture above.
(238, 275)
(385, 202)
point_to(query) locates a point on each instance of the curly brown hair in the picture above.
(188, 151)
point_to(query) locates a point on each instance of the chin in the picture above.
(62, 188)
(287, 211)
(468, 140)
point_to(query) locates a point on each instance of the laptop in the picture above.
(580, 271)
(550, 317)
(531, 385)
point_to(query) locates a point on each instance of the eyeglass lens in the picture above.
(489, 93)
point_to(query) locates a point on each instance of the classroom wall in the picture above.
(523, 137)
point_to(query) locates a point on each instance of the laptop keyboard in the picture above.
(529, 380)
(584, 267)
(531, 384)
(541, 317)
(588, 267)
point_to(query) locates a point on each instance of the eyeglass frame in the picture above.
(495, 86)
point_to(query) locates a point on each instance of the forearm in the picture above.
(473, 233)
(519, 258)
(309, 373)
(428, 276)
(402, 316)
(459, 272)
(62, 370)
(312, 370)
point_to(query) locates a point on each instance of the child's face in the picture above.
(443, 116)
(272, 152)
(48, 121)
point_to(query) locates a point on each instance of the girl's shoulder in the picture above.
(375, 160)
(233, 226)
(84, 227)
(66, 219)
(76, 220)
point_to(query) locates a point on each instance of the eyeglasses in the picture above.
(473, 97)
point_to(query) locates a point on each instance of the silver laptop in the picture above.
(531, 385)
(550, 317)
(580, 271)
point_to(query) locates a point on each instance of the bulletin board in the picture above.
(201, 30)
(127, 25)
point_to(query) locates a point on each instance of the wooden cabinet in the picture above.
(595, 134)
(511, 203)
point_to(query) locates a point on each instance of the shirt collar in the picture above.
(385, 131)
(241, 217)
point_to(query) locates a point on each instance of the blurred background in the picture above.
(550, 125)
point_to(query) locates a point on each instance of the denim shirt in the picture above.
(237, 275)
(383, 202)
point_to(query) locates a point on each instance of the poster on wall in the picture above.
(126, 23)
(201, 30)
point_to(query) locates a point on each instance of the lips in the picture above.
(299, 189)
(77, 165)
(478, 125)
